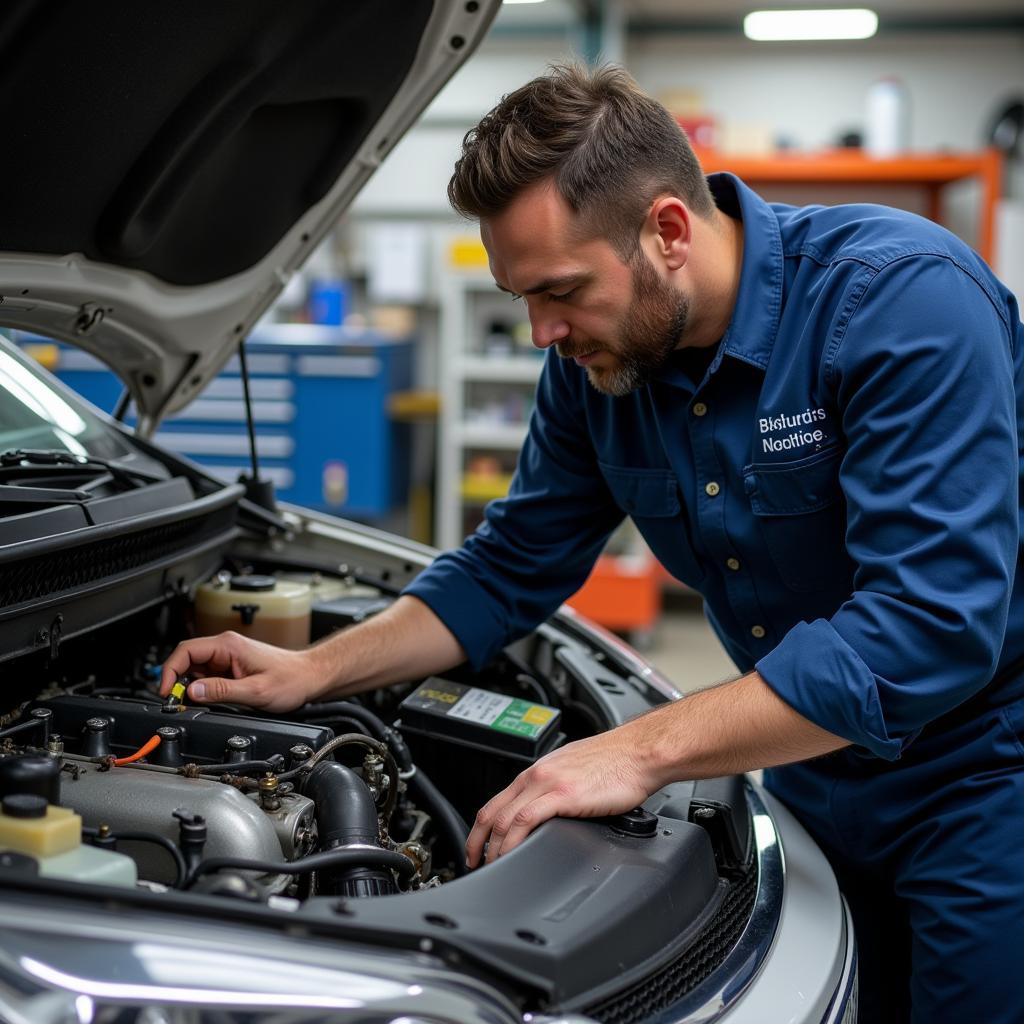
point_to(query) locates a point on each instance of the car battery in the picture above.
(474, 742)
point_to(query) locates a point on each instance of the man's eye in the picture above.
(563, 297)
(517, 298)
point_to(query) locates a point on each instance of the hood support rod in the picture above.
(260, 492)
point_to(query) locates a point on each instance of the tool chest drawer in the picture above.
(319, 398)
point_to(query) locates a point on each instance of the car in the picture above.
(172, 166)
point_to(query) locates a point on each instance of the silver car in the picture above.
(170, 166)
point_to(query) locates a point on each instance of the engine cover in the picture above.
(144, 799)
(204, 732)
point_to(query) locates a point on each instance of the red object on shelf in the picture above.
(700, 130)
(622, 593)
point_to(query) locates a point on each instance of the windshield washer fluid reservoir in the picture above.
(53, 837)
(268, 609)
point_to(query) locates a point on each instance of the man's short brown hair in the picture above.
(610, 149)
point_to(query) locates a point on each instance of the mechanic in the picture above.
(812, 416)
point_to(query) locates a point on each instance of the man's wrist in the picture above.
(325, 669)
(657, 746)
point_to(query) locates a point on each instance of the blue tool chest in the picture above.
(320, 406)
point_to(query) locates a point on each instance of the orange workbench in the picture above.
(932, 172)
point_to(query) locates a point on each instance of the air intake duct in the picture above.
(346, 816)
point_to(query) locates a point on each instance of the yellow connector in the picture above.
(174, 698)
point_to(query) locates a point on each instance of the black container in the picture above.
(474, 742)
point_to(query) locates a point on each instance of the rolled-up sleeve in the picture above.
(536, 546)
(922, 373)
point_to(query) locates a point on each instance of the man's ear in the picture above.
(668, 223)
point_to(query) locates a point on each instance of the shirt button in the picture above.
(712, 489)
(758, 632)
(733, 563)
(699, 409)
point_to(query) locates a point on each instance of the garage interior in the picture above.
(414, 422)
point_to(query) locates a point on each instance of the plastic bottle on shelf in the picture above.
(887, 119)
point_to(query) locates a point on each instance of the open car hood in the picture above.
(169, 166)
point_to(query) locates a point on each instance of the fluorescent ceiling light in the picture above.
(522, 1)
(775, 26)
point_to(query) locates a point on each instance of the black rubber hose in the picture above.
(339, 859)
(148, 837)
(31, 723)
(346, 815)
(350, 724)
(447, 819)
(377, 728)
(345, 811)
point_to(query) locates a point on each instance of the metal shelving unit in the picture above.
(468, 429)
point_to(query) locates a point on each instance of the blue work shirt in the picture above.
(839, 482)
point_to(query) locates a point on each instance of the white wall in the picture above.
(808, 93)
(954, 80)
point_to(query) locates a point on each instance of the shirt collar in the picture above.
(755, 318)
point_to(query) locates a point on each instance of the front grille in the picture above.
(674, 980)
(56, 572)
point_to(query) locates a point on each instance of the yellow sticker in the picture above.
(441, 695)
(467, 253)
(538, 715)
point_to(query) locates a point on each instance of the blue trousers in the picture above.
(929, 851)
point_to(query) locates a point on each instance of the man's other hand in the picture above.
(238, 670)
(589, 778)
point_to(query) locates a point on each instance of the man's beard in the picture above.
(647, 335)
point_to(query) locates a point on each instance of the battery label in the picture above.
(480, 706)
(522, 718)
(481, 709)
(506, 714)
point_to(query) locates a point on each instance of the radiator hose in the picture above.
(346, 817)
(452, 829)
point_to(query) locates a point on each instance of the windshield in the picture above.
(34, 413)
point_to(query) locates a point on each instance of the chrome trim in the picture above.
(847, 987)
(67, 967)
(712, 999)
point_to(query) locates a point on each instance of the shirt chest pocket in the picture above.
(801, 513)
(650, 497)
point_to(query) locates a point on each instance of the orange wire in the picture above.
(147, 748)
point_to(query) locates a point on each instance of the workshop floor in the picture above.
(683, 648)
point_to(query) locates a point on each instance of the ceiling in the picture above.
(725, 13)
(681, 9)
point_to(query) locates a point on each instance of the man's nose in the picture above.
(547, 329)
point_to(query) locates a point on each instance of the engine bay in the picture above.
(350, 816)
(335, 798)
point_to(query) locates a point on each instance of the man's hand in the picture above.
(236, 669)
(597, 776)
(408, 641)
(724, 730)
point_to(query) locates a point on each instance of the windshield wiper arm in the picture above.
(12, 494)
(28, 458)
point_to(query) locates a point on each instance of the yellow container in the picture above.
(274, 610)
(59, 831)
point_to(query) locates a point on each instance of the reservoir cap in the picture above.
(253, 583)
(24, 805)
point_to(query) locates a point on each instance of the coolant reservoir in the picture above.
(53, 837)
(275, 611)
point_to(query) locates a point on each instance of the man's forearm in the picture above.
(405, 642)
(734, 727)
